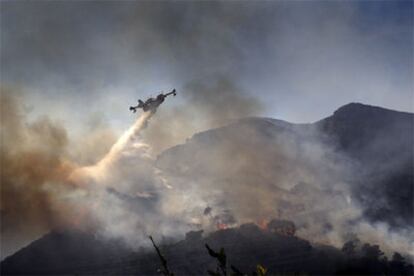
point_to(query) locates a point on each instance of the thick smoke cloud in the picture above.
(89, 147)
(131, 198)
(287, 54)
(118, 194)
(256, 170)
(37, 158)
(32, 161)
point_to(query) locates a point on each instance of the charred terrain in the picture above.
(370, 150)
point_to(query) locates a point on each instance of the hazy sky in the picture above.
(77, 60)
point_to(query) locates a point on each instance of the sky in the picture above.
(77, 60)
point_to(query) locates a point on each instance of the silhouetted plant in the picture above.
(364, 259)
(221, 269)
(349, 248)
(236, 271)
(398, 266)
(221, 261)
(165, 270)
(260, 270)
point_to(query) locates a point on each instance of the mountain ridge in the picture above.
(261, 139)
(376, 140)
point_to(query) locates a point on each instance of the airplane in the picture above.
(152, 103)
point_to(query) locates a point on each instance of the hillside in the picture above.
(375, 144)
(81, 253)
(255, 169)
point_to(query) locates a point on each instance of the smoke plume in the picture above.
(33, 162)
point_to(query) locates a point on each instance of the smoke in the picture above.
(127, 191)
(259, 169)
(116, 50)
(121, 195)
(33, 158)
(44, 185)
(91, 144)
(208, 103)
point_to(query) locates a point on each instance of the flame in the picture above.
(222, 226)
(262, 223)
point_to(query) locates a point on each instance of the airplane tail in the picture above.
(140, 103)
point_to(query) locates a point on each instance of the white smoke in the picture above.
(128, 197)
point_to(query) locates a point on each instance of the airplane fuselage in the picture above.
(153, 104)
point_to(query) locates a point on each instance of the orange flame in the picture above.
(222, 226)
(262, 223)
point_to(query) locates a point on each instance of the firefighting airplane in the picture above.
(152, 103)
